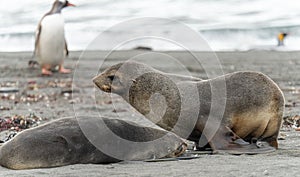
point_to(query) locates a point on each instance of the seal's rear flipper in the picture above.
(226, 141)
(250, 149)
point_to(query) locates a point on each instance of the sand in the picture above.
(50, 98)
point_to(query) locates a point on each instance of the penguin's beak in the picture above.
(70, 4)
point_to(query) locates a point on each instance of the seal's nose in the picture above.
(96, 80)
(105, 88)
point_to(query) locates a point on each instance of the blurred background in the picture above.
(227, 25)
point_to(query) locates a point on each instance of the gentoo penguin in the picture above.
(50, 44)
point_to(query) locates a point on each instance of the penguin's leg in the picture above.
(63, 70)
(32, 63)
(46, 70)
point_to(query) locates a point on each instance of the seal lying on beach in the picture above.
(62, 142)
(253, 105)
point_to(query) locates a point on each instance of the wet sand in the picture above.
(51, 98)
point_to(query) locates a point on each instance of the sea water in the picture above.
(225, 24)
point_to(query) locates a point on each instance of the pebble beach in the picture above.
(62, 95)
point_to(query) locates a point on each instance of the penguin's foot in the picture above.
(46, 72)
(32, 63)
(64, 70)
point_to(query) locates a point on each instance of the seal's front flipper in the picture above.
(226, 141)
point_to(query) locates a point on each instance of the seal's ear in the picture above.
(133, 80)
(60, 139)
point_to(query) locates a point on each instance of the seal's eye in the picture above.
(111, 77)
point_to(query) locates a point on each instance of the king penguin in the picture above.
(50, 44)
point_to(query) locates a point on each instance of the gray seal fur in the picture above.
(62, 142)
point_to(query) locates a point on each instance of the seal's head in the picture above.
(105, 79)
(120, 77)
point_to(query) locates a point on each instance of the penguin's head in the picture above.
(59, 5)
(67, 4)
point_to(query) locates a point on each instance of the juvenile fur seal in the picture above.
(50, 43)
(62, 142)
(253, 111)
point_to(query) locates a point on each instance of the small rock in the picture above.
(119, 110)
(282, 136)
(266, 173)
(143, 48)
(108, 102)
(9, 89)
(110, 167)
(2, 108)
(69, 91)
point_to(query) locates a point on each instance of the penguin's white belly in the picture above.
(51, 49)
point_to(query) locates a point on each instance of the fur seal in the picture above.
(62, 142)
(50, 44)
(253, 111)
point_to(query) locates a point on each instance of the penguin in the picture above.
(280, 38)
(50, 44)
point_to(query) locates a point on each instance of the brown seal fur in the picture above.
(253, 111)
(62, 142)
